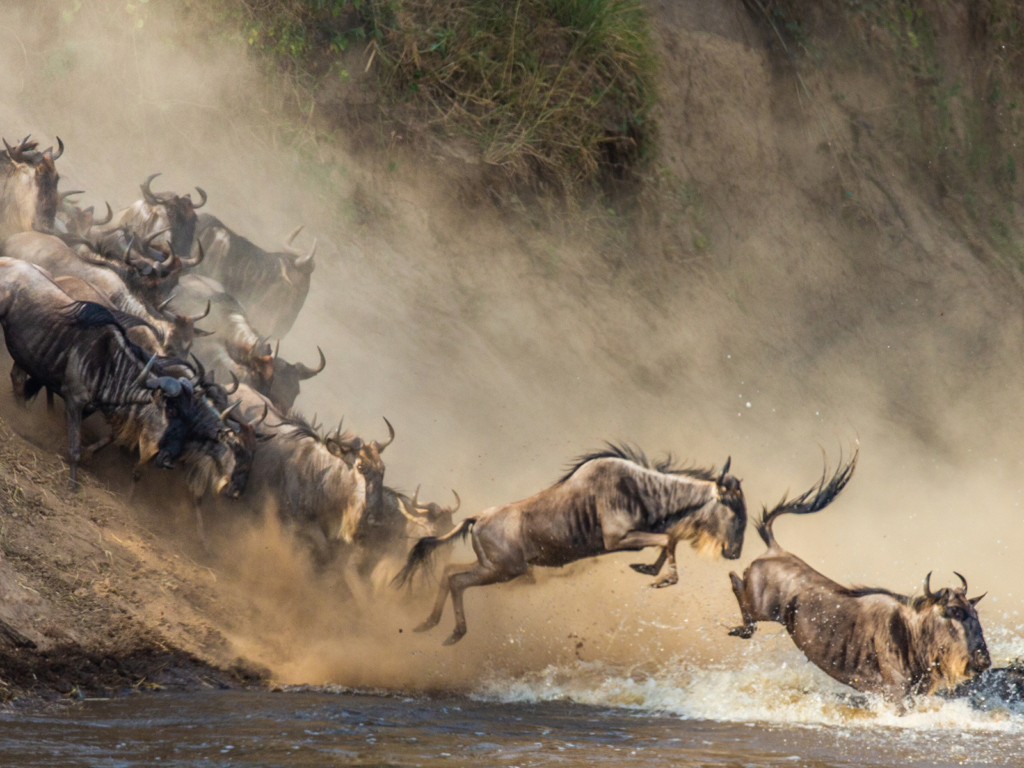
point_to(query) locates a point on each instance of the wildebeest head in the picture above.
(32, 180)
(284, 385)
(956, 637)
(174, 212)
(363, 458)
(243, 440)
(183, 332)
(191, 420)
(430, 519)
(718, 527)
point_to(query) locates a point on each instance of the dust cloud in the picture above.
(500, 352)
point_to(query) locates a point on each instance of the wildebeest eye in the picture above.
(957, 614)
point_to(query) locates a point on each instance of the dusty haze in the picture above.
(499, 353)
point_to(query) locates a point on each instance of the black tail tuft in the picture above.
(423, 551)
(815, 499)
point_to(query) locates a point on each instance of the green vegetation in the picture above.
(555, 95)
(955, 70)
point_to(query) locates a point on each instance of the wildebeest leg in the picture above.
(479, 576)
(672, 577)
(197, 510)
(90, 450)
(442, 594)
(746, 630)
(18, 381)
(638, 540)
(49, 399)
(654, 568)
(74, 418)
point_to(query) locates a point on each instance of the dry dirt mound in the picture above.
(90, 602)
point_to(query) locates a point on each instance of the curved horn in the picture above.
(927, 587)
(725, 470)
(14, 152)
(200, 368)
(144, 376)
(194, 261)
(308, 373)
(110, 216)
(60, 150)
(288, 240)
(277, 349)
(305, 263)
(236, 384)
(266, 410)
(150, 238)
(65, 195)
(962, 590)
(202, 194)
(458, 502)
(197, 318)
(163, 304)
(408, 510)
(391, 439)
(227, 411)
(416, 497)
(147, 193)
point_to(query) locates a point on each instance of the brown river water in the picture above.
(767, 708)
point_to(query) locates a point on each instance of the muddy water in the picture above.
(325, 728)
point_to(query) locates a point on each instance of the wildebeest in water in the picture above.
(869, 638)
(610, 501)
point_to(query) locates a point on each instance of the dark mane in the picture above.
(302, 427)
(634, 454)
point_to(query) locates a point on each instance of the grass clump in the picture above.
(555, 94)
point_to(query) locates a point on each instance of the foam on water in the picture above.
(769, 681)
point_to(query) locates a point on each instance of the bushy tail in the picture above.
(423, 552)
(814, 500)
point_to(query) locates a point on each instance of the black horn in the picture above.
(235, 386)
(197, 318)
(147, 193)
(963, 589)
(194, 261)
(288, 240)
(202, 194)
(110, 216)
(144, 376)
(227, 411)
(60, 150)
(391, 438)
(458, 502)
(927, 588)
(305, 263)
(305, 372)
(725, 470)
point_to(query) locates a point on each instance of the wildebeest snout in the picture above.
(980, 660)
(164, 460)
(732, 551)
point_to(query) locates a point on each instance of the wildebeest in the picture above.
(387, 528)
(610, 501)
(871, 639)
(162, 211)
(319, 485)
(271, 286)
(176, 332)
(28, 187)
(78, 350)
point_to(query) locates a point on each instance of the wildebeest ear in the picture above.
(976, 600)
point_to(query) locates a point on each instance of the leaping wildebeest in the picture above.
(28, 187)
(869, 638)
(272, 286)
(610, 501)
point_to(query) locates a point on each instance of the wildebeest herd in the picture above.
(146, 314)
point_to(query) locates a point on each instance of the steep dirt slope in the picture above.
(96, 603)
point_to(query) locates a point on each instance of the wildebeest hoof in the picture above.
(742, 631)
(425, 626)
(668, 581)
(455, 637)
(645, 569)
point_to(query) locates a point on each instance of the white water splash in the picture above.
(770, 681)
